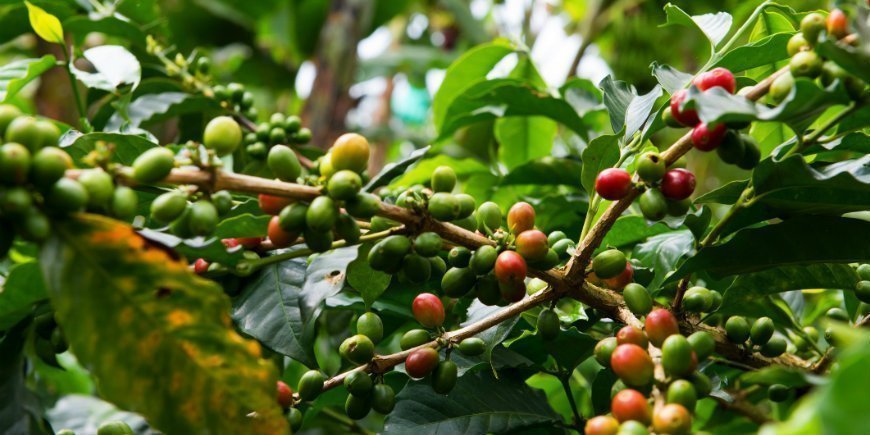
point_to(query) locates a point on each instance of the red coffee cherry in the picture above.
(660, 324)
(687, 117)
(421, 362)
(521, 217)
(678, 184)
(632, 335)
(837, 24)
(613, 183)
(277, 235)
(708, 138)
(632, 364)
(249, 242)
(672, 419)
(285, 395)
(200, 266)
(628, 405)
(510, 268)
(601, 425)
(230, 243)
(619, 282)
(428, 310)
(271, 204)
(720, 77)
(532, 245)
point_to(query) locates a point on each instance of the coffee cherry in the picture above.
(428, 244)
(383, 399)
(659, 325)
(444, 377)
(672, 419)
(357, 407)
(285, 394)
(168, 206)
(548, 324)
(443, 179)
(601, 425)
(702, 343)
(459, 256)
(279, 237)
(613, 183)
(292, 217)
(114, 427)
(651, 167)
(862, 291)
(618, 282)
(223, 135)
(67, 196)
(632, 335)
(387, 255)
(428, 310)
(697, 300)
(277, 135)
(678, 359)
(778, 393)
(357, 349)
(489, 217)
(49, 164)
(421, 362)
(628, 405)
(687, 117)
(632, 364)
(632, 427)
(363, 205)
(532, 245)
(271, 204)
(751, 153)
(609, 263)
(311, 385)
(472, 346)
(512, 291)
(564, 248)
(838, 314)
(458, 281)
(444, 206)
(358, 383)
(510, 268)
(15, 201)
(637, 298)
(706, 137)
(812, 26)
(837, 24)
(203, 218)
(370, 325)
(25, 131)
(325, 165)
(720, 77)
(678, 184)
(414, 338)
(8, 113)
(682, 392)
(200, 266)
(781, 87)
(99, 185)
(318, 241)
(487, 290)
(653, 205)
(294, 417)
(737, 329)
(805, 64)
(344, 185)
(284, 164)
(604, 350)
(774, 347)
(668, 118)
(521, 217)
(49, 133)
(15, 162)
(732, 148)
(466, 208)
(761, 331)
(321, 214)
(350, 151)
(35, 226)
(796, 44)
(483, 259)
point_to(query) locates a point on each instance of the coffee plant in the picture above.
(559, 260)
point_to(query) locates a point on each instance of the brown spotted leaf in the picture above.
(158, 338)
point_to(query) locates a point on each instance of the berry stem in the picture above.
(814, 137)
(67, 57)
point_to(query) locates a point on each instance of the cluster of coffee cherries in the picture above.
(437, 199)
(278, 131)
(33, 185)
(321, 220)
(760, 333)
(805, 62)
(666, 191)
(628, 356)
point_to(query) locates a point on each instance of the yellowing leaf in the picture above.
(158, 339)
(46, 25)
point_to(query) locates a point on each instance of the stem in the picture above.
(67, 58)
(813, 137)
(747, 26)
(565, 380)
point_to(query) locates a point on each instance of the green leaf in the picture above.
(114, 65)
(799, 241)
(243, 225)
(582, 95)
(626, 108)
(324, 278)
(470, 68)
(422, 171)
(270, 310)
(628, 230)
(15, 75)
(547, 170)
(793, 185)
(600, 154)
(393, 170)
(492, 336)
(854, 142)
(466, 411)
(210, 249)
(23, 287)
(524, 138)
(157, 107)
(20, 410)
(726, 194)
(789, 376)
(80, 26)
(670, 78)
(570, 348)
(500, 98)
(370, 283)
(153, 333)
(126, 146)
(46, 25)
(766, 51)
(770, 22)
(85, 414)
(714, 26)
(851, 59)
(662, 252)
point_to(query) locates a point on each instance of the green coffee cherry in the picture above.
(548, 324)
(812, 26)
(443, 179)
(563, 248)
(682, 392)
(483, 259)
(35, 226)
(414, 338)
(796, 44)
(294, 417)
(363, 205)
(99, 185)
(153, 165)
(416, 268)
(66, 196)
(311, 385)
(489, 217)
(428, 244)
(677, 356)
(774, 347)
(653, 205)
(651, 166)
(805, 64)
(862, 291)
(637, 298)
(344, 184)
(864, 272)
(8, 113)
(702, 343)
(737, 329)
(778, 393)
(25, 131)
(444, 206)
(487, 290)
(761, 331)
(15, 162)
(370, 325)
(751, 153)
(358, 383)
(444, 377)
(223, 201)
(466, 206)
(459, 256)
(114, 428)
(357, 349)
(203, 218)
(292, 217)
(383, 399)
(347, 229)
(472, 346)
(732, 148)
(609, 263)
(697, 300)
(318, 241)
(223, 135)
(15, 201)
(49, 165)
(124, 203)
(458, 281)
(781, 87)
(321, 214)
(283, 162)
(357, 407)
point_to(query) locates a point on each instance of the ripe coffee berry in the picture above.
(277, 235)
(706, 137)
(632, 335)
(660, 324)
(421, 362)
(678, 184)
(272, 204)
(687, 117)
(632, 364)
(285, 394)
(428, 310)
(628, 405)
(837, 24)
(720, 77)
(521, 217)
(672, 419)
(510, 268)
(200, 266)
(613, 183)
(601, 425)
(532, 245)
